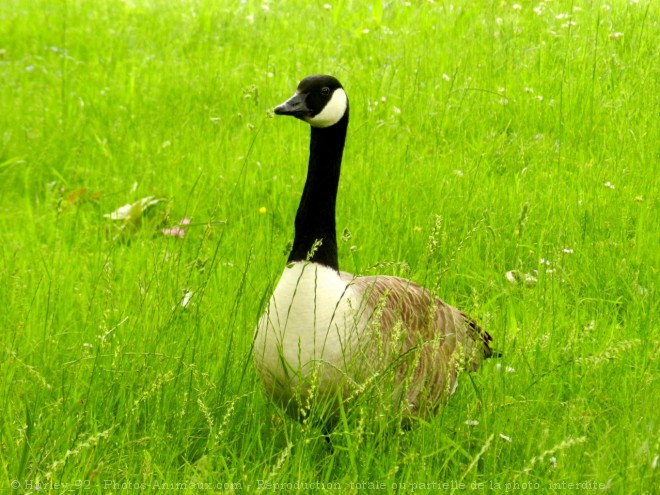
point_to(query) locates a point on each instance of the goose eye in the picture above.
(325, 91)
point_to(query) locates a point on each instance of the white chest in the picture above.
(309, 326)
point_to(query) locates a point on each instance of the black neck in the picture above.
(316, 238)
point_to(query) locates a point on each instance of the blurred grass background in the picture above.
(517, 137)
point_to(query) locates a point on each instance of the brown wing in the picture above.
(425, 341)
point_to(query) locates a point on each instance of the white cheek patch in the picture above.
(332, 112)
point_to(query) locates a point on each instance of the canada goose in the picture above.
(327, 334)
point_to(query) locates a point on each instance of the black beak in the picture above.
(294, 106)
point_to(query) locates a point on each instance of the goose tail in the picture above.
(481, 335)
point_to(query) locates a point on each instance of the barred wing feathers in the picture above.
(426, 341)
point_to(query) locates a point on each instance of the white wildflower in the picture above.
(507, 369)
(186, 299)
(514, 277)
(133, 211)
(511, 277)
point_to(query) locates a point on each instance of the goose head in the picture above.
(319, 100)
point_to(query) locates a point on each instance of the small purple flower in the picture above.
(177, 230)
(174, 232)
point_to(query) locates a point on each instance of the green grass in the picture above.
(522, 136)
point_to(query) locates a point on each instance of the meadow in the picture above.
(506, 155)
